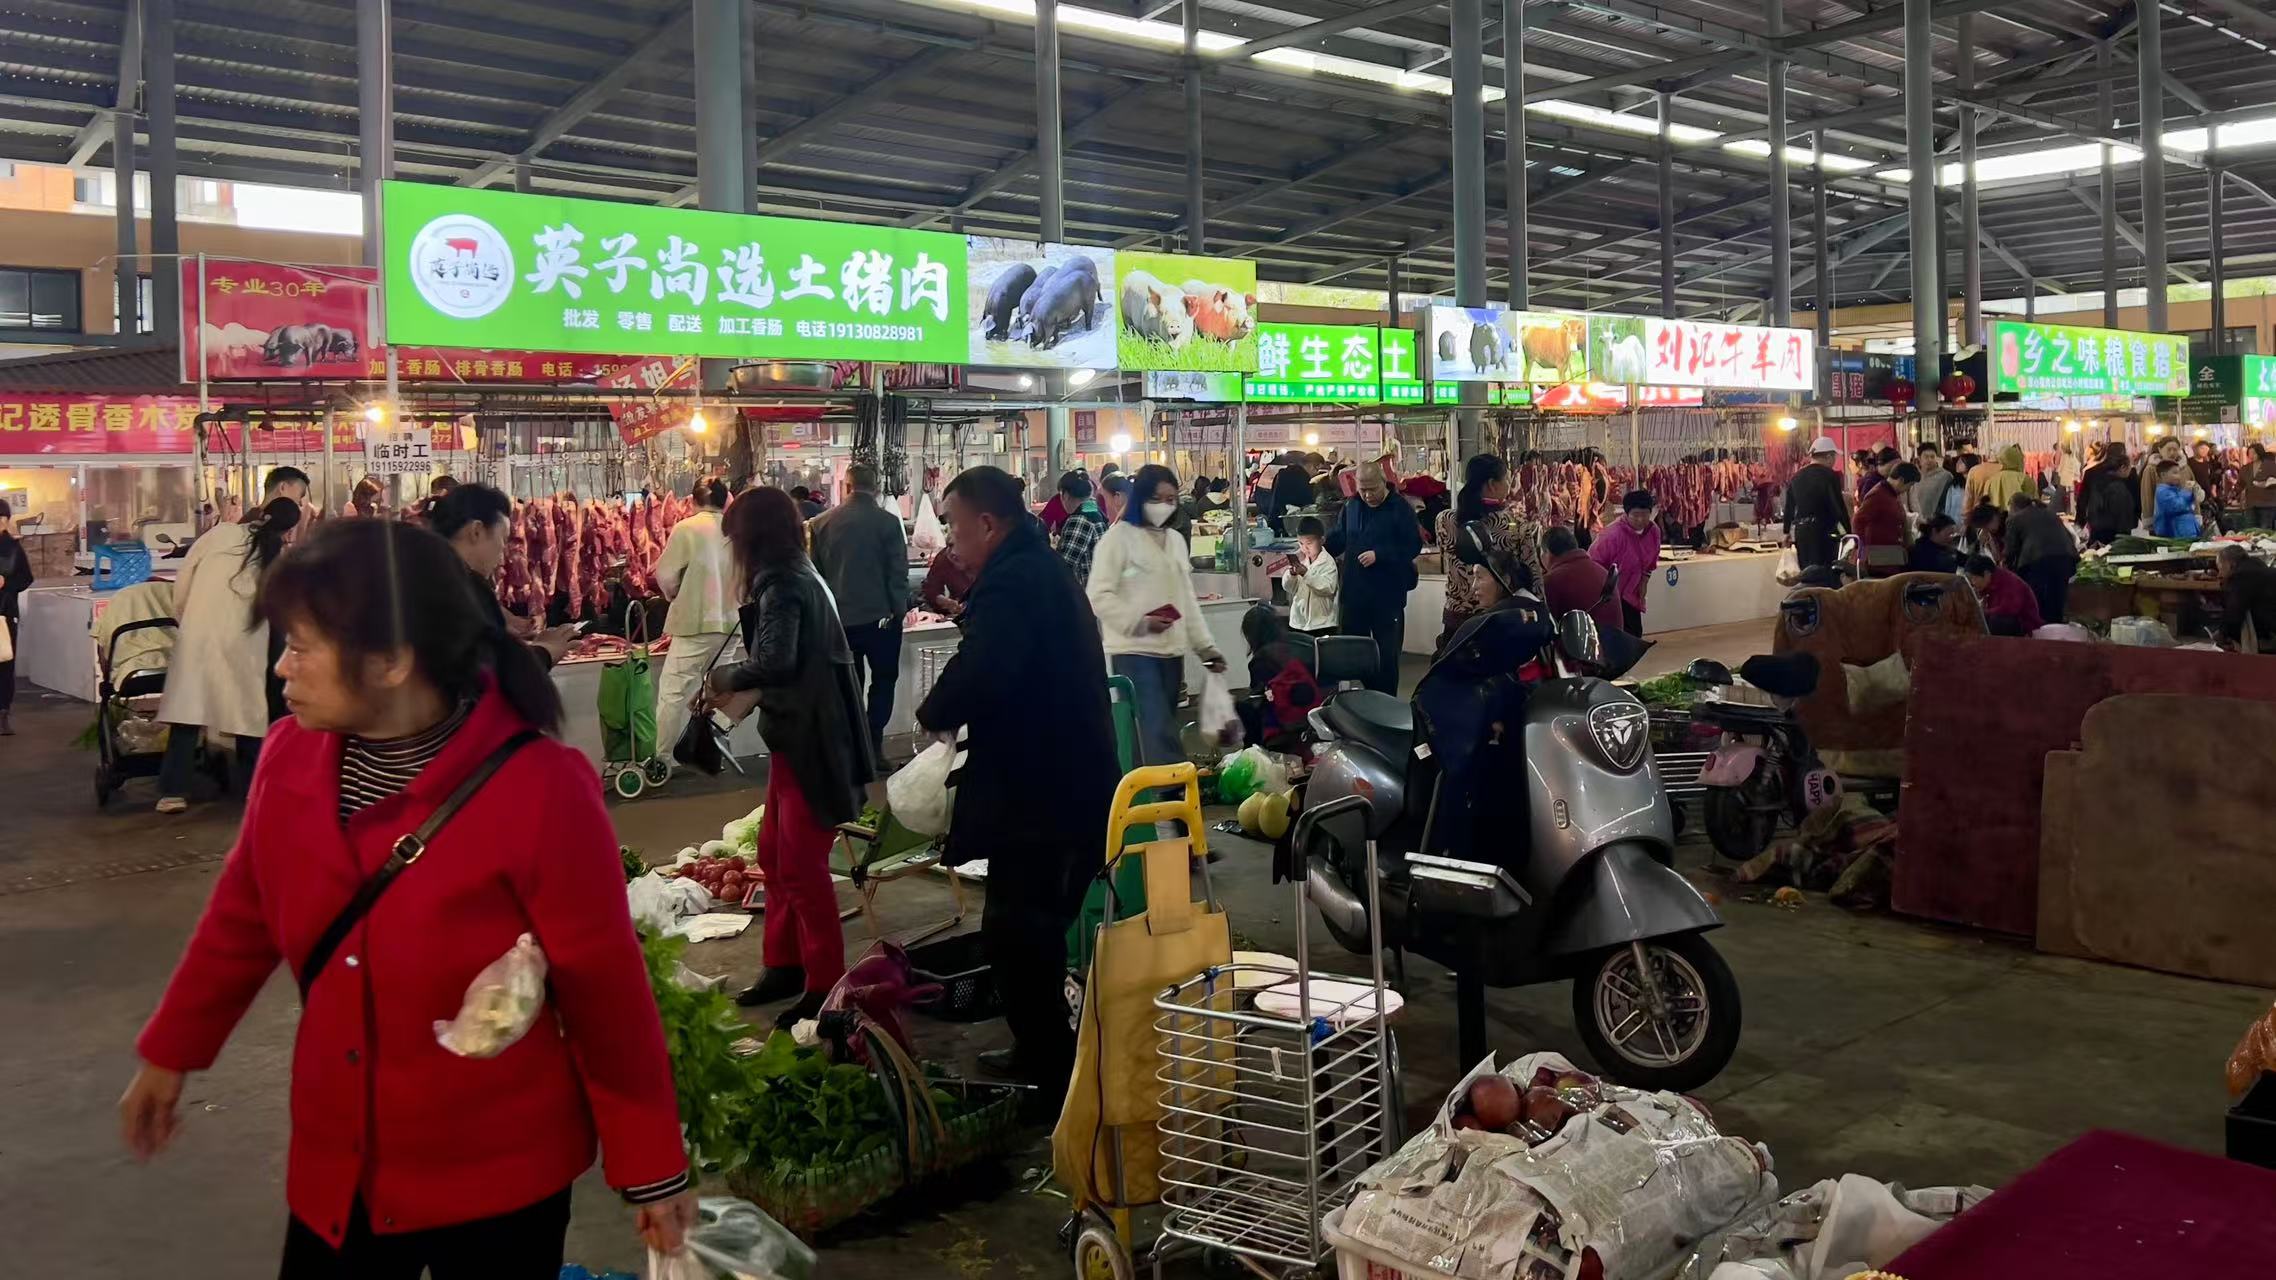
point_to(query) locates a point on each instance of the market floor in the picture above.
(1873, 1045)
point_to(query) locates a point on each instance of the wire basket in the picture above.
(1267, 1118)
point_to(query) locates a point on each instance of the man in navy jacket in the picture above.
(1377, 541)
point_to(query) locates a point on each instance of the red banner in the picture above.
(1607, 397)
(49, 424)
(268, 321)
(649, 417)
(81, 425)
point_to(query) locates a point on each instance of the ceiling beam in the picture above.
(1306, 34)
(97, 131)
(2252, 14)
(2127, 233)
(1714, 60)
(875, 90)
(558, 122)
(1024, 164)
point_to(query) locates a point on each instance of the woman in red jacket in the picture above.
(406, 1155)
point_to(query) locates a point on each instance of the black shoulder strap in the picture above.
(407, 850)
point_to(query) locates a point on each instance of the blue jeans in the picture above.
(1155, 683)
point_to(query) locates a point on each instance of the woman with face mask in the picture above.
(1141, 588)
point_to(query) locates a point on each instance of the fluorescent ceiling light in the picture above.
(1581, 113)
(1799, 155)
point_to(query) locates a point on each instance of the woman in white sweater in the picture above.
(1141, 588)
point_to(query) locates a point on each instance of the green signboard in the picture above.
(2061, 359)
(1402, 380)
(1317, 363)
(467, 268)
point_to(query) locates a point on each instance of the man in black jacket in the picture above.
(1816, 512)
(1376, 541)
(863, 553)
(2041, 551)
(1032, 801)
(1291, 489)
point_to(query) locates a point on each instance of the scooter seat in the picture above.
(1787, 675)
(1375, 720)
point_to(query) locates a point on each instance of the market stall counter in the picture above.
(925, 650)
(1711, 590)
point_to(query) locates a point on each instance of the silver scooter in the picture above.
(1524, 837)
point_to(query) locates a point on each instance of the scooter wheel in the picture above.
(1737, 831)
(1680, 1052)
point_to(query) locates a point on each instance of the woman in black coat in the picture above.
(15, 575)
(818, 749)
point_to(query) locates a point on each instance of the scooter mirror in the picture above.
(1576, 635)
(1707, 671)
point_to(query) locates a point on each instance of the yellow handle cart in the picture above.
(1245, 1125)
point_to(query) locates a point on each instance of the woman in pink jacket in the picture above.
(1631, 545)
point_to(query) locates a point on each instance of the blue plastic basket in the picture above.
(121, 564)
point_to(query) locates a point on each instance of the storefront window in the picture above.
(126, 499)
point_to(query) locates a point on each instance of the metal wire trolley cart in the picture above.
(1276, 1088)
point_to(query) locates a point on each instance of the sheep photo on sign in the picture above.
(1616, 349)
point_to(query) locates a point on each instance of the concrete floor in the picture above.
(1872, 1045)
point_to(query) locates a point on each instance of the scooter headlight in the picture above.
(1621, 732)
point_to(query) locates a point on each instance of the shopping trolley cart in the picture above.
(1276, 1087)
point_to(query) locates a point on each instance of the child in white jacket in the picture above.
(1313, 582)
(1141, 588)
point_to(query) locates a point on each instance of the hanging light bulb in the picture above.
(1312, 439)
(2070, 426)
(1120, 443)
(1787, 424)
(2200, 433)
(697, 423)
(375, 414)
(1080, 378)
(2156, 429)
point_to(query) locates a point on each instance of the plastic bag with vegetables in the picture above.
(501, 1003)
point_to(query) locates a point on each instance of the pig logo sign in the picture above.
(462, 266)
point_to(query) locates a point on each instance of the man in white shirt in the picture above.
(697, 574)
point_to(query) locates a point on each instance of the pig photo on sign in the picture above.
(1446, 346)
(342, 347)
(1003, 299)
(1023, 317)
(1155, 311)
(1220, 313)
(1072, 294)
(1037, 306)
(290, 344)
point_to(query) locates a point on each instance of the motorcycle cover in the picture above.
(1467, 708)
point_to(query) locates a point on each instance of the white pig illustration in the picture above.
(1155, 310)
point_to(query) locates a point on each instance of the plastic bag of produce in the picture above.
(1251, 771)
(737, 1238)
(501, 1004)
(1219, 723)
(659, 901)
(2146, 633)
(918, 794)
(1547, 1171)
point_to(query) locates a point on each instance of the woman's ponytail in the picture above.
(524, 682)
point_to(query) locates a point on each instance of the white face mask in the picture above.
(1218, 498)
(1159, 513)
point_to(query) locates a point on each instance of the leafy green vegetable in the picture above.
(1673, 690)
(635, 866)
(782, 1109)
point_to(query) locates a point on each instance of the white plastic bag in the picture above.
(1789, 569)
(737, 1238)
(660, 901)
(1219, 724)
(501, 1004)
(926, 535)
(918, 796)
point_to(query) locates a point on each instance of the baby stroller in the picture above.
(129, 740)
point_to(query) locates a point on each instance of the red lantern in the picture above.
(1902, 392)
(1957, 388)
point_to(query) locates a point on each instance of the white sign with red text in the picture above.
(1696, 353)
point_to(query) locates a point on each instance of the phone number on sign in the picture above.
(861, 332)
